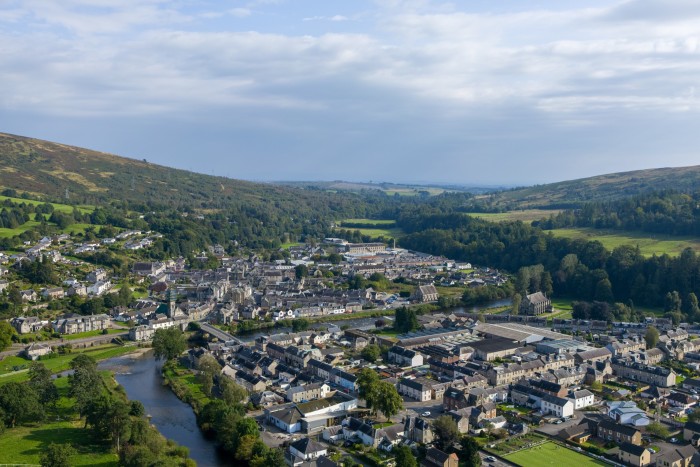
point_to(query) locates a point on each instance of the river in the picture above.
(140, 376)
(366, 323)
(141, 379)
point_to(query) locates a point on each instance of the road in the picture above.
(493, 463)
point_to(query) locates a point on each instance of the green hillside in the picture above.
(45, 169)
(573, 193)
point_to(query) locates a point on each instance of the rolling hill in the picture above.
(573, 193)
(46, 169)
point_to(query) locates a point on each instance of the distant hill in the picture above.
(392, 189)
(573, 193)
(46, 169)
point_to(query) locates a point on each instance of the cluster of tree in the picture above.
(109, 416)
(486, 294)
(533, 279)
(38, 272)
(379, 396)
(12, 218)
(578, 268)
(666, 212)
(237, 434)
(406, 320)
(7, 332)
(169, 343)
(604, 311)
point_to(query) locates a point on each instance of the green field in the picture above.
(65, 208)
(551, 454)
(24, 444)
(384, 227)
(648, 244)
(16, 368)
(526, 215)
(369, 221)
(71, 337)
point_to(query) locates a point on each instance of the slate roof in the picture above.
(307, 446)
(632, 449)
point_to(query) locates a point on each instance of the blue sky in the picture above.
(478, 92)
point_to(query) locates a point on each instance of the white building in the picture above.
(581, 399)
(557, 406)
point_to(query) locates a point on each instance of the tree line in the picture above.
(580, 269)
(109, 417)
(665, 212)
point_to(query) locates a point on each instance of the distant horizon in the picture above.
(413, 183)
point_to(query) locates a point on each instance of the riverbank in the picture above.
(16, 369)
(92, 445)
(140, 374)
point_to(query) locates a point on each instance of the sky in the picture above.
(478, 92)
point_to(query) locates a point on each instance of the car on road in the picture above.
(425, 414)
(490, 459)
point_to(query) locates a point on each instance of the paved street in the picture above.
(493, 463)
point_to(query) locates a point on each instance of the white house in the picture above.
(557, 406)
(305, 450)
(581, 399)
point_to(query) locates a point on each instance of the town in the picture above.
(515, 381)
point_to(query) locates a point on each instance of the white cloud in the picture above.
(405, 64)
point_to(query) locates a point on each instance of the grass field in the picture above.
(648, 244)
(65, 208)
(71, 229)
(384, 227)
(527, 215)
(370, 221)
(551, 454)
(16, 368)
(81, 335)
(24, 444)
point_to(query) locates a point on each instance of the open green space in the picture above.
(82, 335)
(370, 221)
(379, 232)
(8, 233)
(65, 208)
(649, 244)
(382, 227)
(15, 369)
(551, 454)
(526, 215)
(24, 444)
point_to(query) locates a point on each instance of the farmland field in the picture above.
(369, 221)
(381, 227)
(551, 454)
(649, 244)
(527, 215)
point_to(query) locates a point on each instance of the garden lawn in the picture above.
(551, 454)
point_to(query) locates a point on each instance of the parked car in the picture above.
(425, 414)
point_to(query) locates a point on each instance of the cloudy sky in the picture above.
(476, 92)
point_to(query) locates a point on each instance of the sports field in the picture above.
(551, 454)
